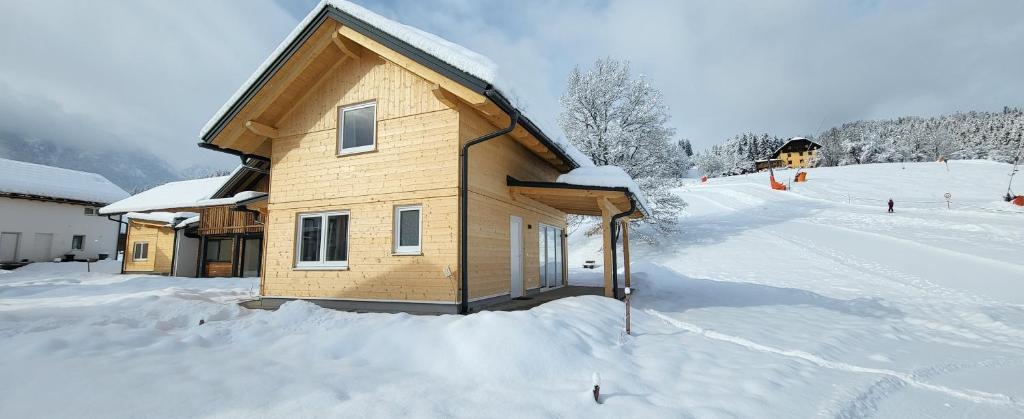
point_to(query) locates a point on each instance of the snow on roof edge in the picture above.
(458, 56)
(461, 58)
(20, 177)
(606, 176)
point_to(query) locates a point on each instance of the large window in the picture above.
(550, 253)
(322, 240)
(218, 250)
(77, 242)
(357, 128)
(140, 251)
(407, 230)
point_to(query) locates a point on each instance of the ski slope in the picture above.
(802, 303)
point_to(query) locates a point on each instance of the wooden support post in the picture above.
(606, 232)
(347, 47)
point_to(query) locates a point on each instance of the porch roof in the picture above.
(578, 199)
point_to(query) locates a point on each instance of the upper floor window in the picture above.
(357, 128)
(77, 242)
(408, 233)
(322, 240)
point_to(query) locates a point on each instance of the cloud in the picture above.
(788, 67)
(152, 72)
(146, 73)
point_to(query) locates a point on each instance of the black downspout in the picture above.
(174, 250)
(464, 206)
(124, 249)
(615, 240)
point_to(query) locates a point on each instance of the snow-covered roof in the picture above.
(455, 55)
(238, 197)
(168, 218)
(606, 176)
(182, 194)
(18, 177)
(777, 150)
(187, 222)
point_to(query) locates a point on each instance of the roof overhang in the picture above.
(578, 199)
(254, 203)
(31, 197)
(475, 91)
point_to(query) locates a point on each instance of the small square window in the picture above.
(357, 128)
(77, 242)
(408, 233)
(140, 251)
(90, 211)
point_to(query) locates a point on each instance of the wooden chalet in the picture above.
(196, 228)
(798, 152)
(400, 177)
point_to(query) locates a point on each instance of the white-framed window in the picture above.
(321, 240)
(408, 230)
(77, 242)
(357, 128)
(140, 251)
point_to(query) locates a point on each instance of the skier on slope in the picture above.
(890, 204)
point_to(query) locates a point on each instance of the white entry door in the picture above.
(43, 247)
(515, 240)
(9, 247)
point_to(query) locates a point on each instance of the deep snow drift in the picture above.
(767, 304)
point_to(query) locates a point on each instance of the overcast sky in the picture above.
(152, 73)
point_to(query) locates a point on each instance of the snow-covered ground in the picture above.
(805, 303)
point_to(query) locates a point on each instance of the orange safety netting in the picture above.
(801, 177)
(1018, 201)
(776, 185)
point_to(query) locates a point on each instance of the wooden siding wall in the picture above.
(415, 162)
(223, 220)
(161, 247)
(491, 205)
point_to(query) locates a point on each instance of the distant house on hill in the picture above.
(194, 227)
(403, 179)
(47, 212)
(798, 152)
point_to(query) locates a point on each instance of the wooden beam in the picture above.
(277, 84)
(262, 130)
(446, 97)
(588, 193)
(347, 47)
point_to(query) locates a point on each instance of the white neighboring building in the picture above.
(47, 212)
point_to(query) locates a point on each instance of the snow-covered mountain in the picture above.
(133, 170)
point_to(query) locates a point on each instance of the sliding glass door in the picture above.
(550, 256)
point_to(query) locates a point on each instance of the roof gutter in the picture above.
(244, 156)
(514, 117)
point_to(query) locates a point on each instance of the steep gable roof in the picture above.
(29, 180)
(452, 61)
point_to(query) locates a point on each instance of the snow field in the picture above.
(765, 304)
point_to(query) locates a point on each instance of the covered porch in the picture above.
(616, 205)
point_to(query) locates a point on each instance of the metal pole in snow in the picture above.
(628, 292)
